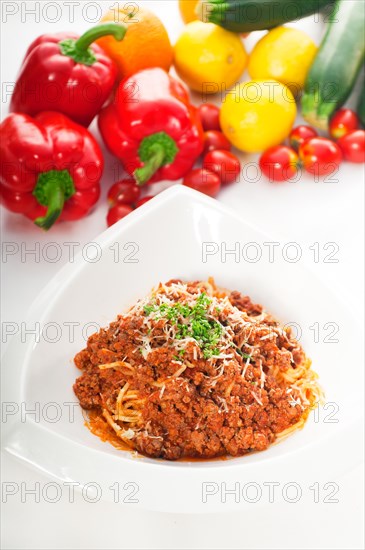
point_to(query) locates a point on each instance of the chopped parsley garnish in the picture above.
(149, 309)
(180, 355)
(191, 322)
(240, 352)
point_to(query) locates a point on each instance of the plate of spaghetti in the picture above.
(195, 371)
(158, 378)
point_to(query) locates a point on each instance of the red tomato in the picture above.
(299, 134)
(343, 122)
(124, 192)
(352, 146)
(320, 156)
(223, 163)
(279, 163)
(209, 116)
(118, 212)
(215, 140)
(204, 181)
(144, 200)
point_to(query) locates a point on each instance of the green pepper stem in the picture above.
(150, 167)
(55, 206)
(53, 188)
(154, 151)
(80, 51)
(115, 29)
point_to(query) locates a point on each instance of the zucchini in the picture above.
(255, 15)
(332, 76)
(361, 105)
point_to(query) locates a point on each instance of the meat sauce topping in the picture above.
(193, 371)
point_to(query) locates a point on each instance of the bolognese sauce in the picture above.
(194, 371)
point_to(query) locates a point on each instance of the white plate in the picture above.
(159, 241)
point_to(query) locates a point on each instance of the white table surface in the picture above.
(306, 212)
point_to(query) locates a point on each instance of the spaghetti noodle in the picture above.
(193, 370)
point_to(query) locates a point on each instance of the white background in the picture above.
(304, 212)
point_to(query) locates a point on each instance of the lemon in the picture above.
(283, 54)
(187, 10)
(258, 114)
(208, 58)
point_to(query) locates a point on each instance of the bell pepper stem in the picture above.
(79, 50)
(53, 189)
(155, 151)
(56, 200)
(150, 167)
(114, 29)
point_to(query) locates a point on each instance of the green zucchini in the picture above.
(254, 15)
(361, 105)
(338, 62)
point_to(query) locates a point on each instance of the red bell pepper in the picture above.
(67, 73)
(50, 168)
(152, 128)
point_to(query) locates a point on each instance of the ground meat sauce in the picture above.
(195, 371)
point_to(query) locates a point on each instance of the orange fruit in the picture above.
(187, 10)
(145, 45)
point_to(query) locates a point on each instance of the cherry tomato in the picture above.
(320, 156)
(352, 146)
(204, 181)
(343, 122)
(279, 163)
(215, 140)
(299, 134)
(144, 200)
(209, 116)
(124, 192)
(117, 212)
(223, 163)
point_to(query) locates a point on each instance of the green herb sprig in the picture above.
(207, 332)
